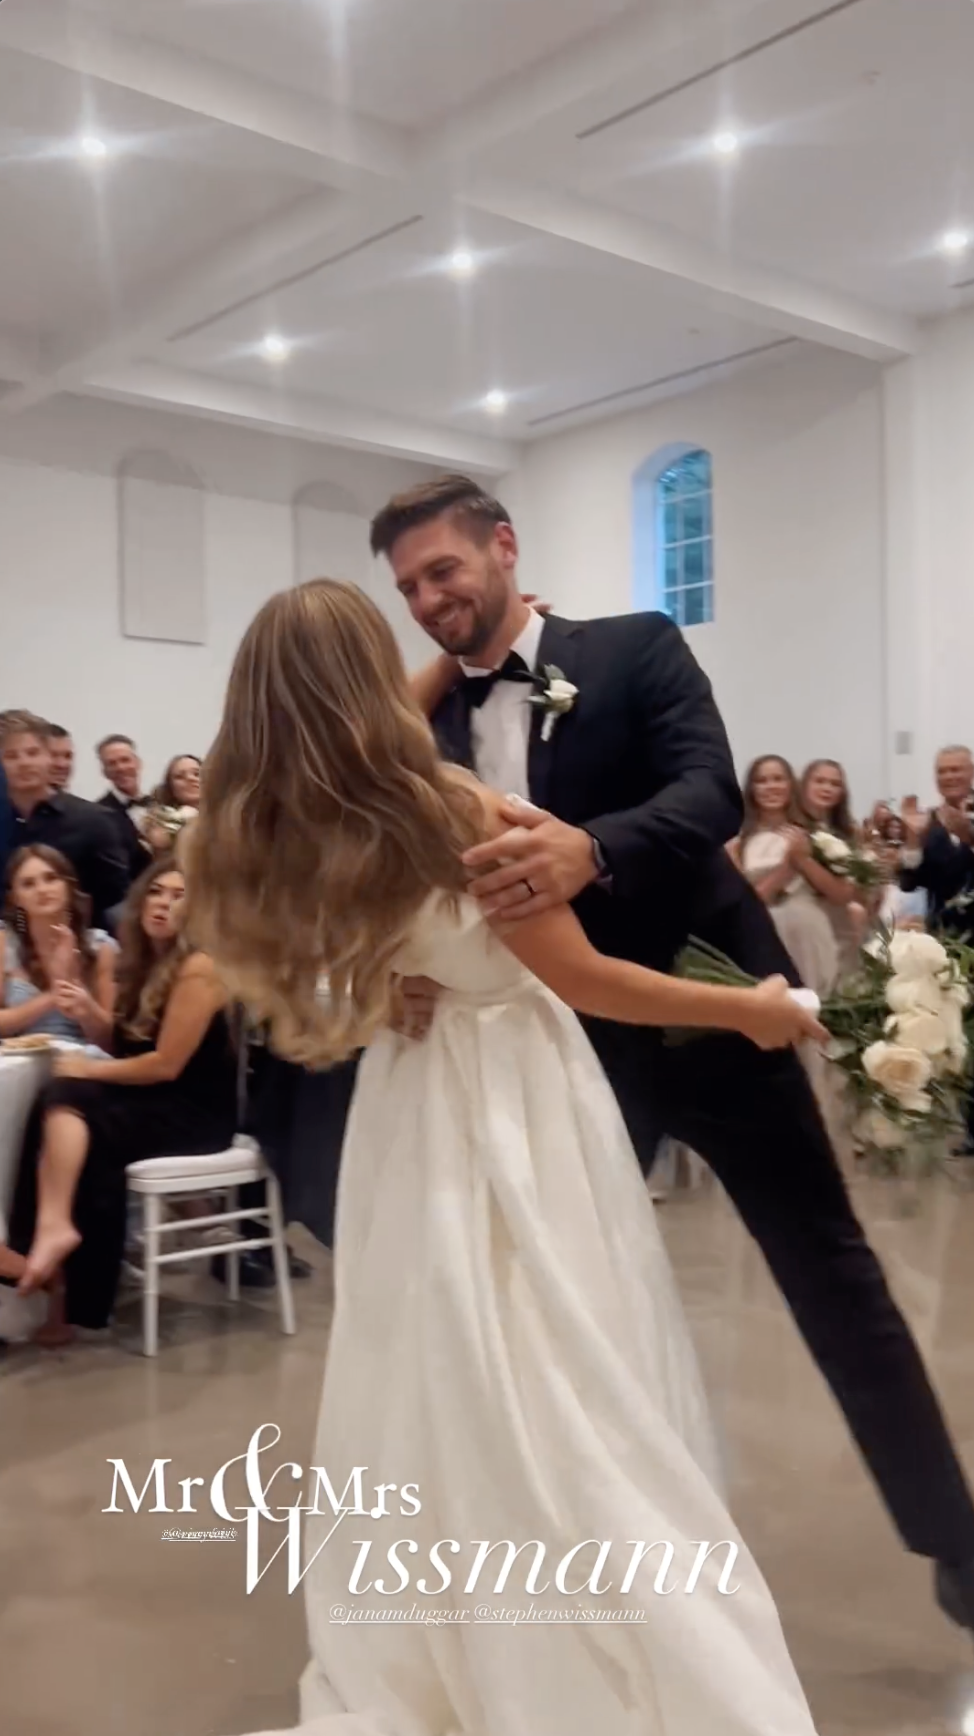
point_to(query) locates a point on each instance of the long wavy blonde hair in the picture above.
(327, 818)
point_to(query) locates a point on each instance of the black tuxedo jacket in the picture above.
(946, 874)
(642, 761)
(127, 833)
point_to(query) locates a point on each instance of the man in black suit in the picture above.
(125, 803)
(635, 795)
(42, 815)
(938, 856)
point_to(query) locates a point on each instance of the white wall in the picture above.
(844, 554)
(62, 652)
(796, 648)
(930, 533)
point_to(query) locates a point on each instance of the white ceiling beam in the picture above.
(720, 280)
(233, 271)
(331, 423)
(637, 54)
(325, 142)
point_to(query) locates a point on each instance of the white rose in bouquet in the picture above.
(921, 1030)
(902, 1073)
(830, 847)
(915, 995)
(912, 954)
(876, 1129)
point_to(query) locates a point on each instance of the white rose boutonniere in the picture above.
(555, 695)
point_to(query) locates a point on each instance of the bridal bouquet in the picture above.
(899, 1030)
(845, 860)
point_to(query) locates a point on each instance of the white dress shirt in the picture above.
(500, 728)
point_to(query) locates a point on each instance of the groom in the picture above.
(637, 794)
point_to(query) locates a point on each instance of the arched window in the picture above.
(674, 535)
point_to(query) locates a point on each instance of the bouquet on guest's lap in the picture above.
(900, 1031)
(846, 861)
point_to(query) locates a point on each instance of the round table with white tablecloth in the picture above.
(21, 1078)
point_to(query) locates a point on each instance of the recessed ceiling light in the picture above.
(726, 144)
(955, 241)
(89, 145)
(496, 403)
(274, 347)
(462, 263)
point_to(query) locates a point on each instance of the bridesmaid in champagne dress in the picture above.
(773, 851)
(825, 803)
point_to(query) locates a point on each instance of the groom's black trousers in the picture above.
(755, 1120)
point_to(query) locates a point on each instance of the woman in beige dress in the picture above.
(825, 804)
(774, 852)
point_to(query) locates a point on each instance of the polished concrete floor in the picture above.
(106, 1630)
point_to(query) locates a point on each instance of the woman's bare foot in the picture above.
(11, 1264)
(51, 1246)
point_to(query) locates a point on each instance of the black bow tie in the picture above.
(476, 688)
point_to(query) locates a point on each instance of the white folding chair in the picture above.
(156, 1179)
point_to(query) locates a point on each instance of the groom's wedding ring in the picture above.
(527, 883)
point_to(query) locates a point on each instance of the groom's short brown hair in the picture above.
(457, 495)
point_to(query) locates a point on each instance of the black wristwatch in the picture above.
(603, 876)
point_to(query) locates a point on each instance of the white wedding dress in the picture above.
(507, 1337)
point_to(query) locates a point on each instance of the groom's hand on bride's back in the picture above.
(537, 863)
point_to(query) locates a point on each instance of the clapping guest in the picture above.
(57, 974)
(898, 909)
(124, 802)
(939, 853)
(825, 798)
(774, 853)
(170, 1090)
(874, 830)
(825, 803)
(180, 787)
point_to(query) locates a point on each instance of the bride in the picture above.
(508, 1358)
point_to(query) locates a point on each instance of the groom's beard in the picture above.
(473, 625)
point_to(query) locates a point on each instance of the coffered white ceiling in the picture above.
(306, 169)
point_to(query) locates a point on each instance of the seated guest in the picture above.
(125, 803)
(57, 974)
(180, 787)
(939, 854)
(42, 815)
(62, 756)
(171, 1090)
